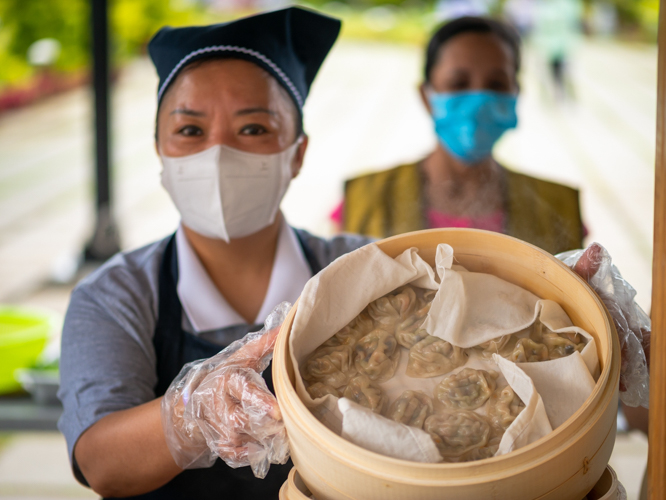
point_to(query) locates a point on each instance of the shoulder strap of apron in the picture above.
(313, 262)
(173, 346)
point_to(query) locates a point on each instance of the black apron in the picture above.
(175, 347)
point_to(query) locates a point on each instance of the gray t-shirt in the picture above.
(108, 360)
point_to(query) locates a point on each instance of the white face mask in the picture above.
(225, 193)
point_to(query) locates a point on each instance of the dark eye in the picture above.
(498, 86)
(458, 84)
(253, 129)
(190, 131)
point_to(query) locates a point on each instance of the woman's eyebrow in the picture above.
(187, 111)
(249, 111)
(498, 72)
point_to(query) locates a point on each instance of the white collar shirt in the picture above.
(206, 308)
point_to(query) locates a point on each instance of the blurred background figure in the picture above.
(557, 29)
(470, 89)
(603, 19)
(520, 13)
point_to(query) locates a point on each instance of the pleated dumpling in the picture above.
(396, 308)
(363, 391)
(360, 326)
(467, 389)
(408, 330)
(376, 355)
(405, 301)
(490, 448)
(457, 434)
(528, 351)
(331, 366)
(408, 338)
(504, 407)
(559, 345)
(319, 390)
(433, 356)
(503, 346)
(411, 408)
(384, 313)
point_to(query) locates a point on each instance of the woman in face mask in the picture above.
(470, 90)
(229, 135)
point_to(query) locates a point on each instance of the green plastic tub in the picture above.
(23, 336)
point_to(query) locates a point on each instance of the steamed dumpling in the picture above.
(319, 390)
(360, 326)
(363, 391)
(331, 366)
(503, 346)
(398, 309)
(528, 351)
(376, 355)
(404, 301)
(408, 338)
(408, 331)
(384, 313)
(504, 407)
(457, 434)
(411, 408)
(468, 389)
(559, 345)
(489, 449)
(362, 323)
(433, 356)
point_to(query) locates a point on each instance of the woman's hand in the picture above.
(631, 323)
(215, 407)
(221, 407)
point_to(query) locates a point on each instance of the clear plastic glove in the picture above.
(221, 407)
(633, 326)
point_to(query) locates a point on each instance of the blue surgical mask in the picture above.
(468, 124)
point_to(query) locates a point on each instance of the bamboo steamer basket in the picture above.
(566, 464)
(294, 488)
(607, 488)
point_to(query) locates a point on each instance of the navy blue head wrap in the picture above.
(291, 44)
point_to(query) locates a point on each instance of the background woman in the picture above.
(470, 90)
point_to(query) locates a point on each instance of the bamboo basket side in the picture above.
(294, 488)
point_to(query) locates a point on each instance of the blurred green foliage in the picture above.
(133, 22)
(639, 18)
(23, 23)
(648, 17)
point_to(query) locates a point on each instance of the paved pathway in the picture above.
(363, 114)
